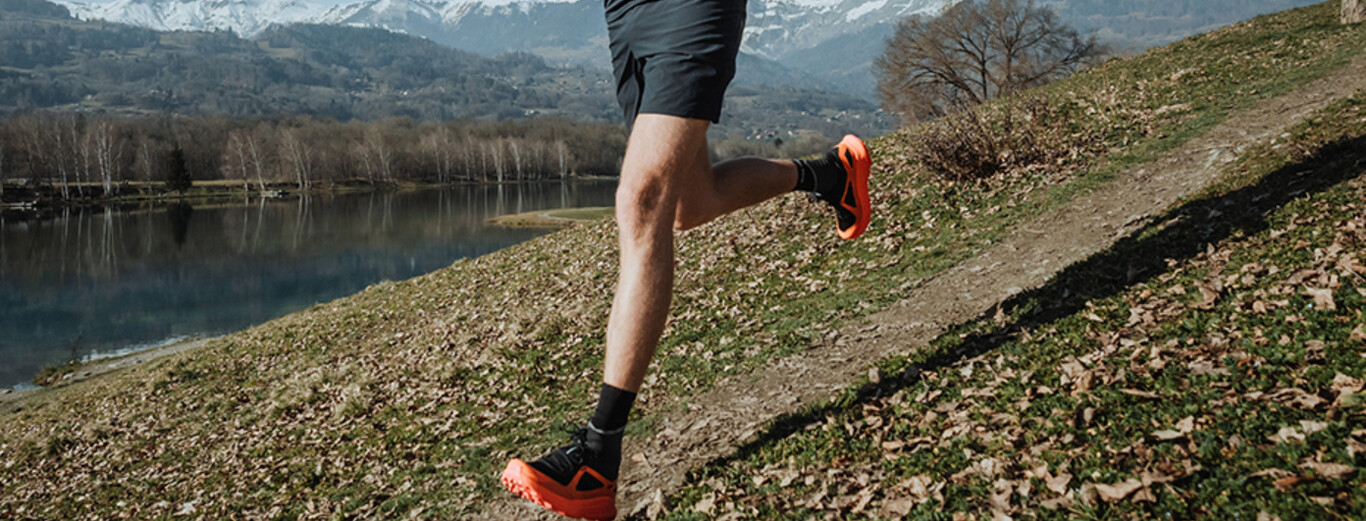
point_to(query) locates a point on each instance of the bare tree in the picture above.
(976, 51)
(146, 156)
(440, 143)
(1353, 11)
(80, 152)
(236, 154)
(256, 156)
(107, 149)
(58, 153)
(498, 158)
(383, 157)
(299, 156)
(559, 147)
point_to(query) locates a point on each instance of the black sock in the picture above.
(824, 175)
(614, 405)
(606, 428)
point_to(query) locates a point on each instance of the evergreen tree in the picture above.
(177, 174)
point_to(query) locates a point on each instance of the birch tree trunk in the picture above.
(107, 154)
(146, 163)
(59, 154)
(256, 160)
(1353, 11)
(300, 155)
(559, 145)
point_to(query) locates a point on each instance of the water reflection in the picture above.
(121, 277)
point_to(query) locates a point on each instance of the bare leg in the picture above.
(667, 182)
(732, 185)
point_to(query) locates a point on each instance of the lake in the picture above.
(92, 283)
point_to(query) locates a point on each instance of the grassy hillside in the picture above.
(1209, 367)
(409, 397)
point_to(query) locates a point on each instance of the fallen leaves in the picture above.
(1115, 492)
(1183, 427)
(1329, 470)
(1323, 298)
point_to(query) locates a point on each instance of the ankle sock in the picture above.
(824, 175)
(614, 405)
(606, 428)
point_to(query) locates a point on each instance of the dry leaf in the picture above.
(1329, 470)
(1167, 435)
(1273, 473)
(657, 506)
(1207, 297)
(1342, 382)
(1058, 483)
(1138, 393)
(1288, 483)
(1310, 427)
(1186, 425)
(1201, 368)
(1355, 447)
(1144, 495)
(1057, 503)
(706, 504)
(1287, 435)
(897, 508)
(1297, 397)
(1323, 298)
(1118, 491)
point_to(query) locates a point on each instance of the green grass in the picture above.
(1010, 390)
(410, 396)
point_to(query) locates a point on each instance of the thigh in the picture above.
(667, 149)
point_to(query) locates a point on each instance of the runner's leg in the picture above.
(661, 160)
(732, 185)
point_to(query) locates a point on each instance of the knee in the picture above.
(643, 199)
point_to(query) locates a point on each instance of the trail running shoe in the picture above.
(853, 211)
(566, 482)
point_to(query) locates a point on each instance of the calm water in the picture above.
(113, 280)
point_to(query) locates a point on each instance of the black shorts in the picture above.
(674, 57)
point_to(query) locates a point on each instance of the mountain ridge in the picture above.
(830, 42)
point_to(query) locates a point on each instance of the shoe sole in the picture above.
(521, 479)
(858, 161)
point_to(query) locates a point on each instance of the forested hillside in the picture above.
(340, 72)
(50, 60)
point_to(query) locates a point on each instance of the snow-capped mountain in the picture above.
(245, 17)
(834, 39)
(774, 28)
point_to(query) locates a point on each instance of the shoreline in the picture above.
(145, 193)
(556, 218)
(15, 396)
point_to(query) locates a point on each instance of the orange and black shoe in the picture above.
(840, 177)
(578, 480)
(853, 210)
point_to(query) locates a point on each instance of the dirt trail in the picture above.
(739, 407)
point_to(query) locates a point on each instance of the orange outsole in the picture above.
(861, 168)
(521, 479)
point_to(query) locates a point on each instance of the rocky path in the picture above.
(738, 408)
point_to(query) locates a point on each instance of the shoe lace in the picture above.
(578, 444)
